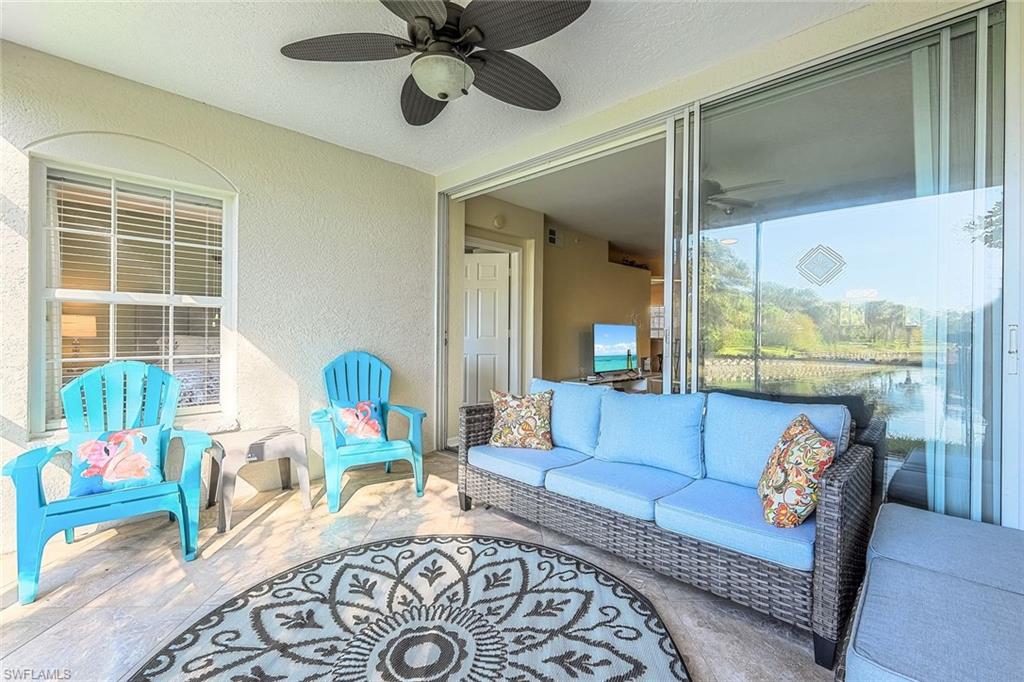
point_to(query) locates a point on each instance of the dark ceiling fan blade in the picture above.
(507, 24)
(348, 47)
(512, 79)
(731, 201)
(751, 185)
(410, 9)
(417, 108)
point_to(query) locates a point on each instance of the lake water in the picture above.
(900, 394)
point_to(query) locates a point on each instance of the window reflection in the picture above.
(851, 244)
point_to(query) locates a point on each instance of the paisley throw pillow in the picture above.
(522, 421)
(359, 423)
(102, 461)
(790, 481)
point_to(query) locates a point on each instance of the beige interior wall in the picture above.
(498, 221)
(581, 287)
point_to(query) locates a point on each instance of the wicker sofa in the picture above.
(815, 592)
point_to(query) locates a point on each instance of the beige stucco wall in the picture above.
(334, 247)
(581, 288)
(520, 227)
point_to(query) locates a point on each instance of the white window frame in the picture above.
(212, 417)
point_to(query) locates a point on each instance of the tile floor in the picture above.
(114, 596)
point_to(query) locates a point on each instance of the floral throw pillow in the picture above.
(112, 460)
(790, 481)
(522, 421)
(360, 423)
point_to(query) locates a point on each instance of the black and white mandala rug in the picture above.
(429, 609)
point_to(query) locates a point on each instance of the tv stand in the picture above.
(629, 381)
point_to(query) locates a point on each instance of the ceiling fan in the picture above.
(717, 196)
(457, 47)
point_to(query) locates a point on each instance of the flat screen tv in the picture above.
(614, 347)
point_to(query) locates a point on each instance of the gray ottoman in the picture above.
(943, 599)
(232, 451)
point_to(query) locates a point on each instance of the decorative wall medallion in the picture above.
(820, 265)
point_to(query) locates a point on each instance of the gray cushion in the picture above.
(916, 624)
(981, 552)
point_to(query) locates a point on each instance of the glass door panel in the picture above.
(850, 242)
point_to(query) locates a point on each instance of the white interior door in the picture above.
(486, 344)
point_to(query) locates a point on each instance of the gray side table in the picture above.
(232, 451)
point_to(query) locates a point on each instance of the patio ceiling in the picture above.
(227, 55)
(621, 197)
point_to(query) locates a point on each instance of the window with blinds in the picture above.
(133, 272)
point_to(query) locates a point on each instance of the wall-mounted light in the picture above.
(499, 221)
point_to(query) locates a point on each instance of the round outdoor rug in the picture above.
(429, 608)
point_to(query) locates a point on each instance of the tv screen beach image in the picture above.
(614, 347)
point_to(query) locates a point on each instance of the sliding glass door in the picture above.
(841, 233)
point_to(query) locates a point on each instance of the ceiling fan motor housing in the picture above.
(443, 76)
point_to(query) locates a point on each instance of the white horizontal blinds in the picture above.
(78, 202)
(79, 224)
(142, 332)
(143, 229)
(107, 240)
(198, 234)
(198, 220)
(196, 354)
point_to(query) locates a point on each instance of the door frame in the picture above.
(620, 139)
(515, 351)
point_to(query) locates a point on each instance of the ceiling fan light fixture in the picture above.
(442, 76)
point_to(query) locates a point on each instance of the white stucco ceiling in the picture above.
(227, 54)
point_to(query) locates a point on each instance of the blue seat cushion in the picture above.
(731, 516)
(575, 413)
(629, 489)
(916, 624)
(950, 545)
(522, 464)
(740, 433)
(661, 431)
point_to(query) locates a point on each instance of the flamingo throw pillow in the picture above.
(113, 460)
(359, 423)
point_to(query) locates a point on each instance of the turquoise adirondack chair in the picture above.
(351, 378)
(116, 396)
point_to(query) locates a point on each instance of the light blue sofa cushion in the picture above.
(575, 413)
(916, 624)
(629, 489)
(522, 464)
(950, 545)
(731, 516)
(661, 431)
(740, 433)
